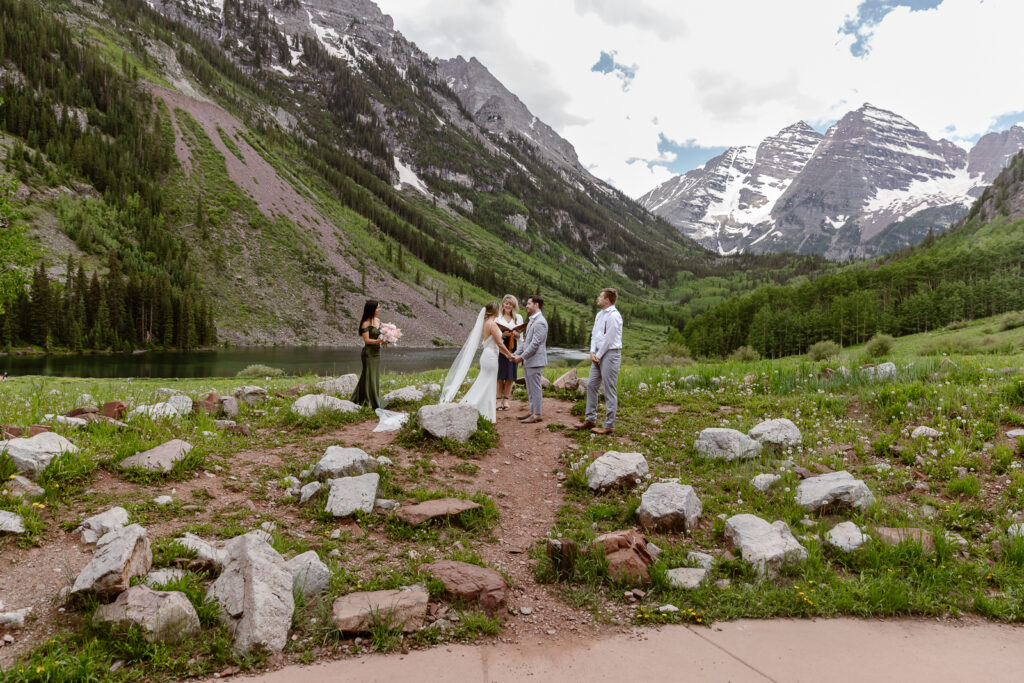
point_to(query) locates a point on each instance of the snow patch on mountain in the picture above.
(924, 193)
(407, 176)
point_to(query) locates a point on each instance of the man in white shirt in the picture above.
(605, 360)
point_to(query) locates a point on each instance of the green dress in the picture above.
(368, 390)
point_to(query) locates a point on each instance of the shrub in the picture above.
(1012, 321)
(824, 350)
(879, 345)
(745, 353)
(260, 371)
(671, 354)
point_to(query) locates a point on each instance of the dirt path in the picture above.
(520, 475)
(837, 651)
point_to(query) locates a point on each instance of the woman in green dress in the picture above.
(368, 390)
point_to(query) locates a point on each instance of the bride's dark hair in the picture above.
(491, 309)
(368, 310)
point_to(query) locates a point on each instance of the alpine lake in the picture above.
(293, 360)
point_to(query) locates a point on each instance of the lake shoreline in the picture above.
(294, 361)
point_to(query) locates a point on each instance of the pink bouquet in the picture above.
(390, 333)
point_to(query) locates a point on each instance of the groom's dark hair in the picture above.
(537, 299)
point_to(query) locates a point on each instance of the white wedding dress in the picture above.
(482, 395)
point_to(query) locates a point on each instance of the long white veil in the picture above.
(463, 361)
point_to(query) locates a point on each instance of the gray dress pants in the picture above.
(606, 373)
(533, 389)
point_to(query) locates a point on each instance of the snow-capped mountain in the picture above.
(721, 204)
(872, 183)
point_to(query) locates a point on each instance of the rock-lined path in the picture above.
(838, 651)
(521, 475)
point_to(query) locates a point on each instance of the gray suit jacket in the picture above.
(535, 343)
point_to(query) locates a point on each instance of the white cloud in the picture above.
(727, 73)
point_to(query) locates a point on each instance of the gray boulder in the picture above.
(702, 560)
(33, 455)
(228, 407)
(254, 592)
(160, 458)
(763, 482)
(250, 395)
(64, 420)
(780, 432)
(13, 619)
(669, 507)
(344, 462)
(616, 469)
(349, 494)
(310, 576)
(1015, 434)
(448, 421)
(120, 556)
(181, 403)
(846, 536)
(340, 386)
(162, 616)
(923, 432)
(726, 444)
(767, 546)
(204, 550)
(157, 411)
(404, 394)
(165, 575)
(11, 523)
(311, 404)
(686, 577)
(881, 371)
(308, 491)
(835, 489)
(21, 486)
(93, 528)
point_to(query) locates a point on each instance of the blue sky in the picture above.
(870, 13)
(647, 89)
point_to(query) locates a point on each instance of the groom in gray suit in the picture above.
(534, 356)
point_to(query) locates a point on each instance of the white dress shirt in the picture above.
(607, 333)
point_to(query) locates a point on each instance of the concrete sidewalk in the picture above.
(822, 651)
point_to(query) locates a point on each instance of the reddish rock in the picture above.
(433, 509)
(115, 410)
(569, 380)
(12, 432)
(803, 472)
(357, 612)
(627, 554)
(82, 412)
(241, 430)
(470, 582)
(209, 405)
(37, 429)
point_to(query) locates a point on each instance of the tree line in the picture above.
(114, 312)
(928, 289)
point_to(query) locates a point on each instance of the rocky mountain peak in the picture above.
(992, 153)
(495, 108)
(874, 181)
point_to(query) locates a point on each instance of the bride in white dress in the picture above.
(482, 394)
